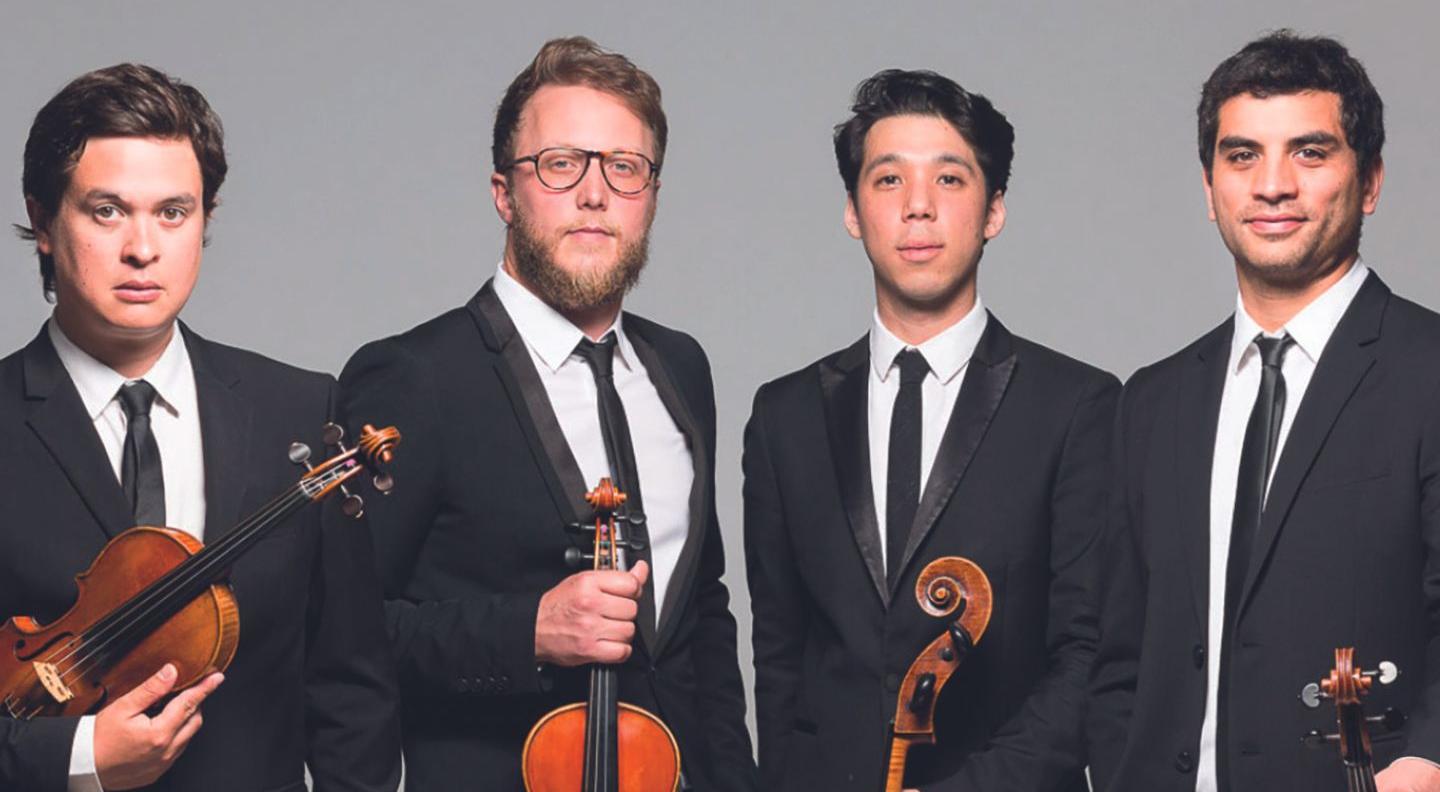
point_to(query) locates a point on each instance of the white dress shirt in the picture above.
(662, 453)
(948, 355)
(175, 422)
(1311, 328)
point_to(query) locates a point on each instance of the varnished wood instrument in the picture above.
(1346, 684)
(156, 595)
(948, 587)
(602, 744)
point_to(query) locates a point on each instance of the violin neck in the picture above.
(895, 770)
(602, 733)
(1360, 778)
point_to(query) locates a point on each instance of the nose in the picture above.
(592, 192)
(1275, 180)
(141, 247)
(919, 202)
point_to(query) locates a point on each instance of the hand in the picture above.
(1408, 774)
(590, 617)
(132, 749)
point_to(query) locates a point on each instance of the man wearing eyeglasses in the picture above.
(513, 407)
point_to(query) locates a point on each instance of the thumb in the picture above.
(641, 573)
(149, 691)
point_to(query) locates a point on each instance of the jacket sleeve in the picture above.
(777, 600)
(352, 707)
(721, 691)
(1041, 745)
(442, 647)
(1423, 728)
(35, 754)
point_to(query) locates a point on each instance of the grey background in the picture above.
(358, 133)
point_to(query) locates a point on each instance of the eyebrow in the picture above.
(1316, 138)
(183, 200)
(949, 159)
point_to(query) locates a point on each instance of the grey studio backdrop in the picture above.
(358, 202)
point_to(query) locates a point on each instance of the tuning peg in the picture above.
(1391, 720)
(924, 693)
(575, 559)
(334, 436)
(1311, 694)
(580, 527)
(960, 639)
(1318, 739)
(300, 455)
(1387, 672)
(384, 483)
(353, 506)
(638, 545)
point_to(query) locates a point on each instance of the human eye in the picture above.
(1241, 157)
(624, 166)
(887, 180)
(173, 215)
(106, 212)
(560, 161)
(950, 180)
(1311, 154)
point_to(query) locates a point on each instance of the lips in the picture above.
(139, 291)
(1274, 224)
(920, 251)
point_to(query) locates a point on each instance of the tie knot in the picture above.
(913, 367)
(1272, 350)
(136, 398)
(599, 354)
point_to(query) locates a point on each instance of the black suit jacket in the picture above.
(311, 681)
(1346, 555)
(1017, 487)
(477, 534)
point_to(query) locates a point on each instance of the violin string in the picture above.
(114, 626)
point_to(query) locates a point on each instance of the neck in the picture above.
(1271, 305)
(917, 323)
(592, 320)
(131, 356)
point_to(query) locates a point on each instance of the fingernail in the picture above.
(168, 672)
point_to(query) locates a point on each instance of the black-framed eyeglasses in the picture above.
(626, 172)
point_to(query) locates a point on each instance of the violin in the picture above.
(602, 744)
(1346, 684)
(156, 595)
(948, 587)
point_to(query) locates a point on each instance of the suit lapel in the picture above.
(58, 418)
(1202, 381)
(844, 389)
(986, 379)
(684, 417)
(224, 431)
(516, 371)
(1347, 358)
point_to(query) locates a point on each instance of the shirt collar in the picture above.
(1311, 327)
(947, 353)
(545, 330)
(98, 384)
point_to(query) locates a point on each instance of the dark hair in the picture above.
(898, 92)
(125, 100)
(578, 61)
(1283, 63)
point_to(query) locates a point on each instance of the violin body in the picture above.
(556, 762)
(202, 637)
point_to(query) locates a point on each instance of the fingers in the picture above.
(186, 706)
(182, 737)
(623, 584)
(149, 692)
(641, 573)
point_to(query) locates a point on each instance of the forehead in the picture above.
(922, 137)
(1280, 116)
(137, 166)
(581, 117)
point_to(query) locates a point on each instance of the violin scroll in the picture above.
(373, 452)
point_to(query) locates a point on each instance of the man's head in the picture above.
(122, 168)
(1290, 133)
(925, 165)
(578, 144)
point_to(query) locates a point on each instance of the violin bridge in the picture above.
(49, 676)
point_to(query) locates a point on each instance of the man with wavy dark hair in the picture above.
(1278, 481)
(118, 414)
(514, 406)
(939, 433)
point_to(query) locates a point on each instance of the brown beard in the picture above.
(566, 291)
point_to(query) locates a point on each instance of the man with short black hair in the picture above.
(1278, 481)
(517, 404)
(116, 414)
(940, 433)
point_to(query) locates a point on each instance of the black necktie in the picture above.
(140, 472)
(615, 430)
(903, 468)
(1257, 458)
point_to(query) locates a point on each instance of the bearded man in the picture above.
(513, 407)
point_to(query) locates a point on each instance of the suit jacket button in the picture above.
(1198, 655)
(462, 685)
(1184, 762)
(892, 683)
